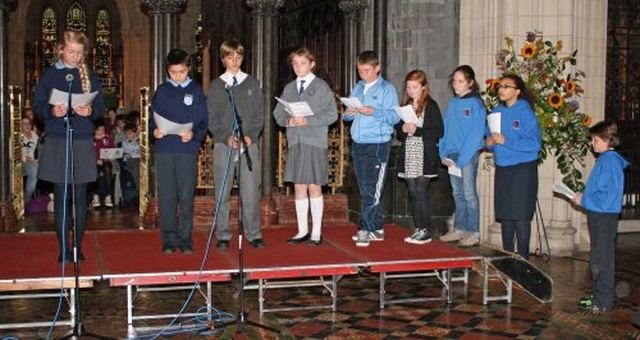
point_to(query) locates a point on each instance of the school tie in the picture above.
(235, 82)
(301, 86)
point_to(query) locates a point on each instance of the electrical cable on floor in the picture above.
(64, 231)
(196, 284)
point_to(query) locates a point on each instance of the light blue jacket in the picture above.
(377, 128)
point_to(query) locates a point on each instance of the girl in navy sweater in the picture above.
(181, 101)
(69, 73)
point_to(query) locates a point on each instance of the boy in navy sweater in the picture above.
(181, 101)
(602, 201)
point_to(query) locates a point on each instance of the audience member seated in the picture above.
(131, 152)
(29, 162)
(103, 187)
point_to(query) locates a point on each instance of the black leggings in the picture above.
(420, 206)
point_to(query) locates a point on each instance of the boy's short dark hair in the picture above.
(176, 57)
(607, 131)
(131, 127)
(368, 57)
(120, 117)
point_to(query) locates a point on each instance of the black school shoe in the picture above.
(222, 244)
(257, 243)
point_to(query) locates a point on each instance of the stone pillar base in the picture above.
(561, 239)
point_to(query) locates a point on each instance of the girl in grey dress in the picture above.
(307, 138)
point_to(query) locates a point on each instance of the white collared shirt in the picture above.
(228, 77)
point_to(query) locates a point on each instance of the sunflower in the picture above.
(570, 87)
(493, 85)
(556, 101)
(586, 120)
(529, 50)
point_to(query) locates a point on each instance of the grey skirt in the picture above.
(52, 161)
(306, 164)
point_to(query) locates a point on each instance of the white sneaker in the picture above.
(95, 202)
(452, 236)
(108, 202)
(469, 240)
(363, 239)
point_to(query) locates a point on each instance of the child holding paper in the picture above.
(602, 201)
(70, 71)
(418, 161)
(181, 101)
(464, 127)
(307, 143)
(516, 148)
(371, 129)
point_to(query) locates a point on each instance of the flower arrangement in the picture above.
(555, 83)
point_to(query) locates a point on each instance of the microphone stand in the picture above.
(237, 133)
(78, 330)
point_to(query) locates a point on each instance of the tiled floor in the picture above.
(358, 315)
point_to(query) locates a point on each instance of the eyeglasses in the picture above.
(506, 87)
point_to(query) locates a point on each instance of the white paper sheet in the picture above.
(58, 97)
(563, 189)
(111, 153)
(351, 103)
(170, 128)
(296, 109)
(494, 120)
(407, 114)
(454, 170)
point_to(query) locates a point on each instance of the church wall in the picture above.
(579, 24)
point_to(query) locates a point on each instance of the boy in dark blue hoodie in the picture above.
(602, 201)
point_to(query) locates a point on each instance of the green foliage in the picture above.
(555, 84)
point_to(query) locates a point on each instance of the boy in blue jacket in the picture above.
(371, 127)
(602, 201)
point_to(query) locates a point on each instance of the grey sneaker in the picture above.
(380, 235)
(363, 238)
(358, 234)
(376, 235)
(420, 236)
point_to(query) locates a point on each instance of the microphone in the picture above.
(69, 77)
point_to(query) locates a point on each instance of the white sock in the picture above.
(302, 214)
(317, 210)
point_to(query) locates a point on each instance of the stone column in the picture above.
(353, 40)
(380, 11)
(265, 68)
(6, 207)
(164, 33)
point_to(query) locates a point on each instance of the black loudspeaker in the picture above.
(526, 275)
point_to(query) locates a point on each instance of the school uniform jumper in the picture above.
(464, 127)
(307, 146)
(516, 184)
(602, 200)
(176, 161)
(54, 166)
(247, 96)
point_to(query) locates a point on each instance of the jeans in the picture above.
(30, 170)
(465, 196)
(370, 168)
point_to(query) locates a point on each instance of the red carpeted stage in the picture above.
(134, 259)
